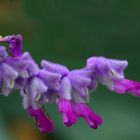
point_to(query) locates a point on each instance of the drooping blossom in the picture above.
(71, 111)
(73, 93)
(110, 72)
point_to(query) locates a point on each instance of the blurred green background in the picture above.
(68, 32)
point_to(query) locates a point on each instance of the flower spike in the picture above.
(50, 82)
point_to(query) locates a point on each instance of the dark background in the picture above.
(68, 32)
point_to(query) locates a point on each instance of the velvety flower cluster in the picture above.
(69, 89)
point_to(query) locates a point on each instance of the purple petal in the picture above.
(25, 65)
(77, 79)
(43, 122)
(37, 88)
(15, 46)
(118, 65)
(80, 80)
(8, 76)
(8, 71)
(33, 92)
(103, 66)
(72, 111)
(65, 89)
(56, 68)
(122, 86)
(65, 107)
(33, 68)
(50, 79)
(92, 119)
(20, 65)
(107, 70)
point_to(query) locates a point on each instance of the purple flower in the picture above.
(33, 93)
(55, 82)
(15, 44)
(72, 111)
(43, 122)
(110, 73)
(7, 74)
(25, 65)
(51, 79)
(76, 85)
(68, 115)
(74, 91)
(52, 75)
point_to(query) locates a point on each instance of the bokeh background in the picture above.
(68, 32)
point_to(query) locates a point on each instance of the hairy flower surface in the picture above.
(72, 111)
(51, 82)
(110, 73)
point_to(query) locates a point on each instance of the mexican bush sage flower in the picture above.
(51, 82)
(73, 92)
(33, 92)
(7, 73)
(110, 73)
(72, 111)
